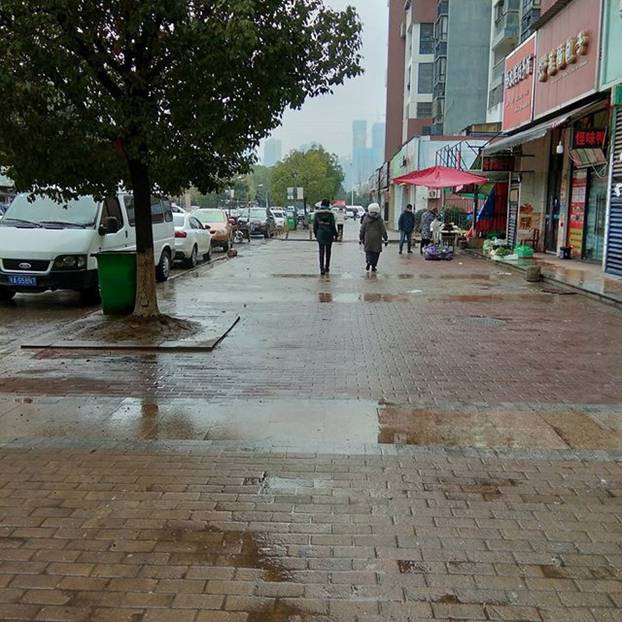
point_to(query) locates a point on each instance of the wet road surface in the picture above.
(437, 442)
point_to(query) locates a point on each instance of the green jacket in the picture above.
(324, 227)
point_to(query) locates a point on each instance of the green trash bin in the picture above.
(291, 223)
(116, 271)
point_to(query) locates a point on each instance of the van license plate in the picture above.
(23, 281)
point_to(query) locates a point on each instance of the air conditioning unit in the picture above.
(434, 193)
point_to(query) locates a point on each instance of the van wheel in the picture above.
(6, 294)
(225, 246)
(90, 296)
(208, 255)
(163, 269)
(193, 260)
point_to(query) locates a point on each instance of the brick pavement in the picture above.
(87, 534)
(465, 330)
(96, 527)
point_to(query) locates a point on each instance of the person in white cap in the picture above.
(372, 234)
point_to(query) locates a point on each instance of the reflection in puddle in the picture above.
(148, 409)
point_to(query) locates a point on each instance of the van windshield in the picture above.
(45, 212)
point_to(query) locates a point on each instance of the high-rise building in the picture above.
(461, 60)
(361, 154)
(377, 143)
(359, 134)
(272, 152)
(409, 72)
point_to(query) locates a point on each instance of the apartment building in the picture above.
(461, 60)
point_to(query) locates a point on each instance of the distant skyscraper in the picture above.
(272, 152)
(361, 154)
(359, 134)
(377, 143)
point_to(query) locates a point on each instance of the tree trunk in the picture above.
(146, 296)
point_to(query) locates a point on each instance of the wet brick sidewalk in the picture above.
(91, 535)
(465, 330)
(309, 504)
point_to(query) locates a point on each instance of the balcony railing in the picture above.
(506, 29)
(439, 89)
(497, 72)
(495, 96)
(442, 8)
(440, 49)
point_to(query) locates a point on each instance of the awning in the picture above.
(440, 177)
(506, 143)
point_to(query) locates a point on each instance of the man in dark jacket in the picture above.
(325, 232)
(406, 225)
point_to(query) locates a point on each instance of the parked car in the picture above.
(193, 240)
(220, 226)
(262, 222)
(47, 245)
(279, 217)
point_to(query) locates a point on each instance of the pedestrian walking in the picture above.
(406, 226)
(340, 220)
(325, 233)
(372, 234)
(426, 227)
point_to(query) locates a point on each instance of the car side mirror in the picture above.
(109, 225)
(206, 227)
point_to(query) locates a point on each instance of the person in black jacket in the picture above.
(406, 225)
(325, 231)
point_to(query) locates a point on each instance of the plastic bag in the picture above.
(522, 250)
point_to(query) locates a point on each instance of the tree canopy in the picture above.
(190, 85)
(316, 170)
(157, 95)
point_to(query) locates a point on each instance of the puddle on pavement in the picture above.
(487, 428)
(528, 297)
(459, 276)
(209, 545)
(370, 297)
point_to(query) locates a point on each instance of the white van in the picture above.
(46, 245)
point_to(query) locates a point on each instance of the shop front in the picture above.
(567, 52)
(611, 78)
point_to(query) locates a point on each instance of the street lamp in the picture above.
(262, 186)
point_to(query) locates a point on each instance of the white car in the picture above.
(279, 217)
(49, 245)
(193, 240)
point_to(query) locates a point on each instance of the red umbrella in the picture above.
(440, 177)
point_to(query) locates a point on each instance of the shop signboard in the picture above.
(611, 63)
(518, 87)
(567, 51)
(576, 217)
(497, 164)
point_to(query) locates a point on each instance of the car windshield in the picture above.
(258, 213)
(179, 220)
(44, 211)
(277, 213)
(212, 215)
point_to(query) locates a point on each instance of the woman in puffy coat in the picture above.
(372, 234)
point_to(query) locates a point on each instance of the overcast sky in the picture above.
(328, 120)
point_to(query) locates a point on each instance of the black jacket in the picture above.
(406, 222)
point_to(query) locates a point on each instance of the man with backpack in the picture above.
(325, 232)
